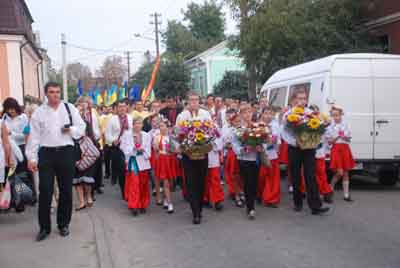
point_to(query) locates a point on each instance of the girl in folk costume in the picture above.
(165, 169)
(214, 193)
(341, 156)
(231, 165)
(155, 130)
(324, 187)
(271, 189)
(248, 163)
(136, 145)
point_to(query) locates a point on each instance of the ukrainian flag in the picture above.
(113, 97)
(99, 98)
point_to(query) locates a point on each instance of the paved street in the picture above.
(363, 234)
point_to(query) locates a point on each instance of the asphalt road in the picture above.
(364, 234)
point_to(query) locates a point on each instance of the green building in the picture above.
(209, 67)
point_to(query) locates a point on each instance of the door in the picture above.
(386, 87)
(351, 88)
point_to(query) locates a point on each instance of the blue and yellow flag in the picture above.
(112, 94)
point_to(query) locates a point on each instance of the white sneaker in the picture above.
(290, 189)
(165, 204)
(252, 214)
(170, 208)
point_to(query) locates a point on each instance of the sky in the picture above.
(107, 25)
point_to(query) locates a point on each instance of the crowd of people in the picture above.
(65, 146)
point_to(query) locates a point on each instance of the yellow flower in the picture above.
(314, 123)
(199, 136)
(324, 118)
(292, 118)
(208, 124)
(298, 110)
(196, 123)
(184, 123)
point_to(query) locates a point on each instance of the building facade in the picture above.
(23, 65)
(208, 68)
(382, 19)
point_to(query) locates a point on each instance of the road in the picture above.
(364, 234)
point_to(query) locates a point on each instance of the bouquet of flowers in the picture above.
(307, 126)
(195, 137)
(256, 135)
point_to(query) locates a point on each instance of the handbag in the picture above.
(77, 151)
(89, 154)
(21, 194)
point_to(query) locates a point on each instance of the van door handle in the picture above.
(382, 121)
(371, 133)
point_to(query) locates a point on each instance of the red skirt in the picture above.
(341, 157)
(213, 191)
(262, 175)
(153, 159)
(178, 166)
(166, 167)
(272, 188)
(284, 153)
(231, 172)
(321, 177)
(137, 190)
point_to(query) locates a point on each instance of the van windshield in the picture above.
(277, 97)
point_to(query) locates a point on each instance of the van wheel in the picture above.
(388, 175)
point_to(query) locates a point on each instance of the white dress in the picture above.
(2, 158)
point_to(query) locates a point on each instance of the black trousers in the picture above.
(249, 173)
(98, 174)
(55, 163)
(195, 174)
(299, 158)
(118, 167)
(107, 160)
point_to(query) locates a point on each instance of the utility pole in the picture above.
(128, 58)
(156, 24)
(64, 66)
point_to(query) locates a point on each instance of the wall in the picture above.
(4, 79)
(196, 74)
(219, 67)
(30, 74)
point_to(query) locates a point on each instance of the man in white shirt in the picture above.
(50, 149)
(116, 127)
(298, 159)
(195, 170)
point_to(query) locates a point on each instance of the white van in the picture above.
(367, 86)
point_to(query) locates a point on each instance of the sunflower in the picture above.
(199, 136)
(292, 118)
(298, 110)
(314, 123)
(196, 124)
(183, 123)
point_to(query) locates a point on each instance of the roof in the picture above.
(28, 13)
(320, 66)
(209, 51)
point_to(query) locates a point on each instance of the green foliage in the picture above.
(234, 84)
(206, 21)
(172, 78)
(281, 33)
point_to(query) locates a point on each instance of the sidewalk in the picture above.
(19, 250)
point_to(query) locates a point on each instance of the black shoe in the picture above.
(207, 205)
(271, 205)
(196, 220)
(219, 206)
(328, 198)
(134, 212)
(143, 211)
(348, 199)
(320, 211)
(64, 231)
(298, 208)
(42, 235)
(100, 191)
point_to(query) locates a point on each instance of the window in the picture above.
(294, 88)
(277, 97)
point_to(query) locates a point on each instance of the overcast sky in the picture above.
(103, 24)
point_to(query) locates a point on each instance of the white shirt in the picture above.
(46, 124)
(273, 149)
(16, 127)
(187, 115)
(323, 149)
(127, 146)
(334, 130)
(213, 156)
(113, 128)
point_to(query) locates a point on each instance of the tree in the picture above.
(113, 70)
(178, 39)
(173, 77)
(78, 71)
(279, 33)
(206, 21)
(234, 84)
